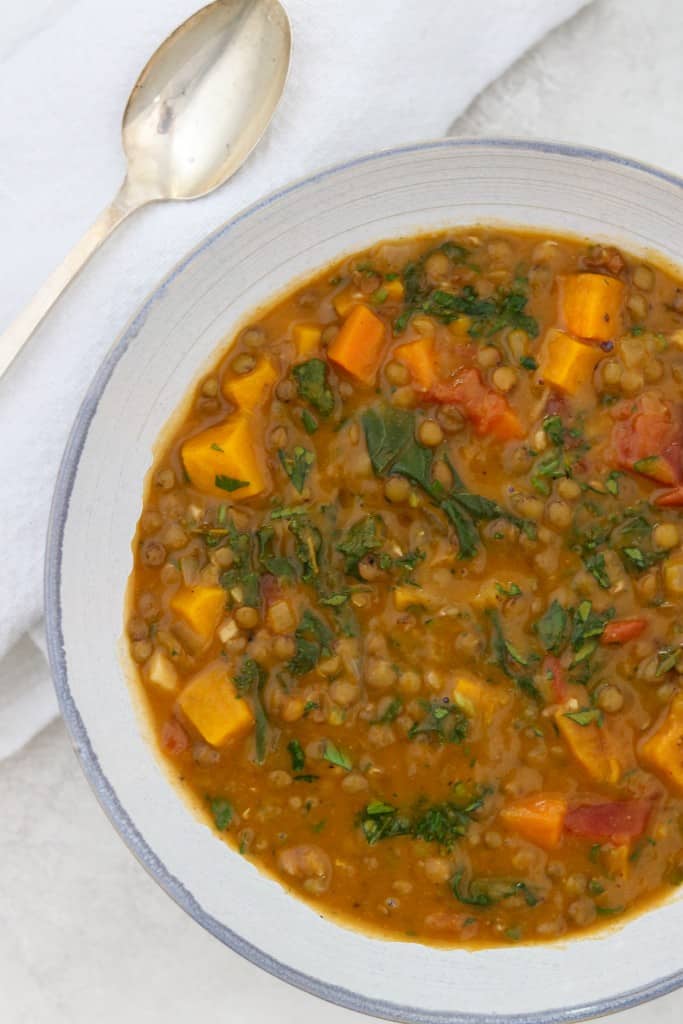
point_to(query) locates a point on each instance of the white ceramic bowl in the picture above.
(170, 342)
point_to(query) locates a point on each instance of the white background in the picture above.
(85, 935)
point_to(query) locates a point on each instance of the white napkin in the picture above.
(364, 76)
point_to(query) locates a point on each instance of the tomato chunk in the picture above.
(558, 678)
(489, 412)
(670, 499)
(622, 630)
(617, 821)
(647, 439)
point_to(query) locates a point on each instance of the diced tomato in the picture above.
(622, 630)
(618, 821)
(489, 412)
(647, 439)
(558, 675)
(670, 499)
(270, 588)
(174, 739)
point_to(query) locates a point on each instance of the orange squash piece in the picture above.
(593, 747)
(566, 363)
(662, 751)
(420, 359)
(590, 305)
(211, 703)
(538, 818)
(358, 346)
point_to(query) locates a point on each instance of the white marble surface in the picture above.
(84, 934)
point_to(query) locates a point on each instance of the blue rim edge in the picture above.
(90, 765)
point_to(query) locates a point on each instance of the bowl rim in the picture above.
(88, 759)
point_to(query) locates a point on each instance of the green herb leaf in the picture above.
(296, 752)
(297, 466)
(528, 363)
(309, 421)
(311, 382)
(314, 641)
(363, 537)
(334, 755)
(511, 590)
(586, 716)
(551, 628)
(221, 810)
(446, 722)
(229, 483)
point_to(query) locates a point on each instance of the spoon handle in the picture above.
(13, 339)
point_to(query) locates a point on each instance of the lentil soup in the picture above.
(406, 593)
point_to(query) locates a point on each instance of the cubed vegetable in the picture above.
(394, 289)
(420, 359)
(672, 572)
(591, 304)
(566, 363)
(477, 697)
(670, 499)
(251, 391)
(306, 337)
(345, 300)
(210, 701)
(593, 746)
(409, 597)
(618, 821)
(359, 344)
(161, 671)
(225, 460)
(662, 750)
(201, 608)
(539, 818)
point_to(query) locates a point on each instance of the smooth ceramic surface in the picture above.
(97, 502)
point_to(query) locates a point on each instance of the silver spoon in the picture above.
(195, 113)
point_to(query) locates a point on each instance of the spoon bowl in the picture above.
(201, 104)
(205, 98)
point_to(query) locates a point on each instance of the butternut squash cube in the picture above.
(566, 363)
(394, 289)
(306, 337)
(345, 300)
(409, 597)
(358, 346)
(662, 751)
(251, 391)
(475, 696)
(225, 460)
(593, 747)
(590, 305)
(201, 608)
(673, 578)
(538, 818)
(211, 703)
(420, 359)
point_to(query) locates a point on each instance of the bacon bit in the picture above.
(618, 821)
(489, 412)
(622, 630)
(174, 739)
(558, 674)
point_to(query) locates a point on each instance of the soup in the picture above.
(406, 593)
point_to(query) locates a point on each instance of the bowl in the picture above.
(146, 376)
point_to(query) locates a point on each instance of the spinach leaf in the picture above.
(229, 483)
(297, 465)
(393, 448)
(314, 641)
(312, 385)
(221, 811)
(251, 679)
(551, 628)
(364, 536)
(335, 756)
(296, 752)
(445, 722)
